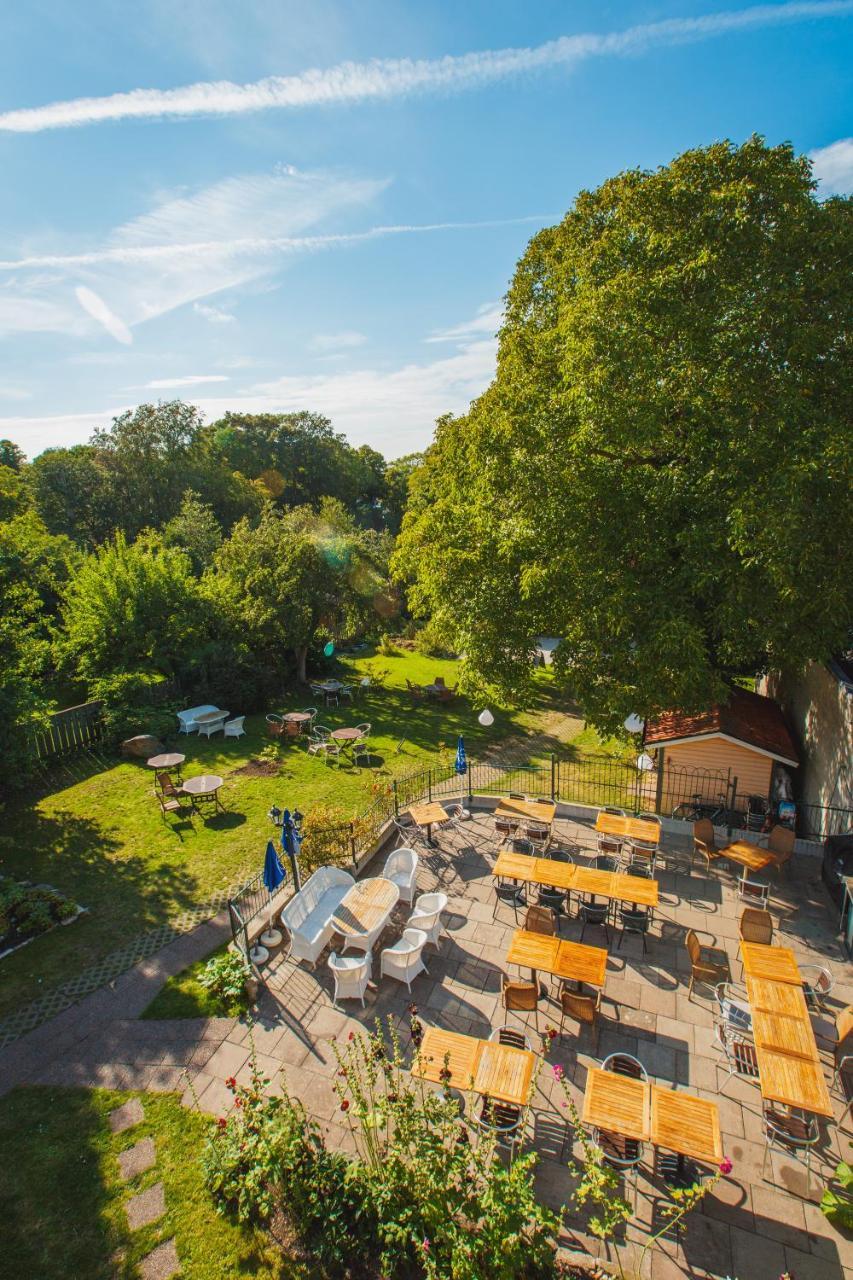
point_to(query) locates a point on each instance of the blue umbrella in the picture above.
(461, 766)
(274, 873)
(290, 842)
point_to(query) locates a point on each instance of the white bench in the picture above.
(307, 917)
(186, 719)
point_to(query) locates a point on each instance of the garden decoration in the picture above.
(328, 649)
(274, 876)
(486, 718)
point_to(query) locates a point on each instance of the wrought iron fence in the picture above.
(818, 821)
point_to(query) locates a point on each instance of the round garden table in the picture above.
(298, 719)
(204, 787)
(346, 735)
(171, 760)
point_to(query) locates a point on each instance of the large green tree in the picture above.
(660, 472)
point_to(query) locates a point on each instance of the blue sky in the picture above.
(271, 205)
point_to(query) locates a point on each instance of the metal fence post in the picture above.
(731, 813)
(429, 783)
(470, 771)
(553, 776)
(396, 805)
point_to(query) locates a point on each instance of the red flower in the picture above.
(231, 1083)
(725, 1165)
(351, 1036)
(345, 1105)
(238, 1102)
(222, 1122)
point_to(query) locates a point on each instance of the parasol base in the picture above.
(259, 955)
(271, 938)
(464, 814)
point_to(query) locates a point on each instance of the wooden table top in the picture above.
(571, 960)
(367, 904)
(204, 785)
(777, 997)
(499, 1070)
(633, 828)
(776, 963)
(547, 871)
(535, 810)
(784, 1035)
(426, 814)
(797, 1082)
(748, 855)
(613, 884)
(685, 1124)
(617, 1103)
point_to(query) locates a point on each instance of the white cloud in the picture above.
(34, 435)
(393, 78)
(335, 342)
(216, 315)
(92, 303)
(833, 167)
(9, 392)
(35, 310)
(487, 321)
(190, 380)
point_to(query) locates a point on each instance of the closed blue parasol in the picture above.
(461, 766)
(274, 875)
(274, 872)
(290, 842)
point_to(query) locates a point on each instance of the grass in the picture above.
(95, 831)
(183, 996)
(62, 1200)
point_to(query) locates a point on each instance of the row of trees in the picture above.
(167, 550)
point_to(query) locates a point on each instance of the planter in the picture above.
(252, 988)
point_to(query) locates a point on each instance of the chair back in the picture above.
(703, 830)
(517, 795)
(540, 920)
(634, 919)
(604, 862)
(430, 902)
(504, 827)
(619, 813)
(650, 817)
(583, 1008)
(510, 1036)
(535, 831)
(756, 925)
(781, 841)
(401, 860)
(594, 912)
(365, 728)
(236, 723)
(166, 784)
(520, 995)
(694, 947)
(624, 1064)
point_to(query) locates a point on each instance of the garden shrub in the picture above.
(26, 910)
(130, 706)
(430, 643)
(225, 975)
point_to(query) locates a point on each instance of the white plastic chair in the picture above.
(401, 867)
(351, 974)
(404, 960)
(427, 915)
(234, 728)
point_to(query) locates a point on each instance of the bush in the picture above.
(131, 706)
(26, 910)
(225, 975)
(428, 641)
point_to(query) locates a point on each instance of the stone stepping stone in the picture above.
(145, 1207)
(126, 1116)
(160, 1263)
(137, 1159)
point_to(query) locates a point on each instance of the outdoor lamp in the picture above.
(634, 724)
(486, 718)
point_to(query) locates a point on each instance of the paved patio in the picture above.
(749, 1227)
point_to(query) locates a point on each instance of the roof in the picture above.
(747, 718)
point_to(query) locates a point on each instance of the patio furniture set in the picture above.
(171, 788)
(207, 720)
(329, 744)
(438, 691)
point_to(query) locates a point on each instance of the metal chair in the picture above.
(594, 913)
(739, 1053)
(517, 795)
(610, 847)
(511, 894)
(754, 891)
(511, 1036)
(756, 925)
(634, 920)
(503, 1121)
(625, 1064)
(604, 862)
(817, 984)
(619, 813)
(505, 828)
(538, 834)
(733, 1004)
(540, 920)
(795, 1134)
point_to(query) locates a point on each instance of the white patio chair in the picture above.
(351, 974)
(404, 960)
(331, 753)
(401, 867)
(427, 915)
(211, 727)
(317, 739)
(234, 728)
(817, 984)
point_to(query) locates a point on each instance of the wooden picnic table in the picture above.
(617, 887)
(531, 810)
(546, 871)
(646, 1112)
(776, 997)
(427, 814)
(751, 856)
(365, 906)
(502, 1072)
(778, 964)
(612, 824)
(573, 961)
(796, 1082)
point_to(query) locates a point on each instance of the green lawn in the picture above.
(183, 996)
(98, 836)
(62, 1200)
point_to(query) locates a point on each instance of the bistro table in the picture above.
(498, 1070)
(346, 735)
(204, 787)
(541, 811)
(425, 815)
(545, 871)
(618, 1103)
(667, 1118)
(782, 1034)
(365, 907)
(612, 824)
(170, 760)
(750, 856)
(777, 997)
(777, 964)
(297, 718)
(617, 887)
(794, 1081)
(570, 960)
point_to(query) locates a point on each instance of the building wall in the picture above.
(717, 756)
(819, 707)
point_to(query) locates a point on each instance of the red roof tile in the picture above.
(749, 717)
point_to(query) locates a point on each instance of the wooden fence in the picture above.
(69, 730)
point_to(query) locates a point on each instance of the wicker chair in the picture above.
(756, 925)
(583, 1009)
(704, 842)
(541, 920)
(781, 843)
(702, 967)
(521, 997)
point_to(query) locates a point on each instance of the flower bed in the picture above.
(28, 910)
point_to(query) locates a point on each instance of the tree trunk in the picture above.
(301, 658)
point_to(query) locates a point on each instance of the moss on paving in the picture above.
(62, 1200)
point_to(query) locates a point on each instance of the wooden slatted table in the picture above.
(784, 1035)
(426, 814)
(776, 997)
(751, 856)
(628, 828)
(532, 810)
(546, 871)
(617, 1103)
(777, 964)
(687, 1125)
(502, 1072)
(570, 960)
(797, 1082)
(365, 906)
(616, 887)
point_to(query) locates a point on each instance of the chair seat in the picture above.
(348, 962)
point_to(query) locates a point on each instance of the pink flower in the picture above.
(725, 1165)
(351, 1036)
(425, 1245)
(558, 1071)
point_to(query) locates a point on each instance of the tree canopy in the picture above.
(660, 471)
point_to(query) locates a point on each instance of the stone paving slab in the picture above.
(146, 1207)
(161, 1263)
(137, 1159)
(126, 1116)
